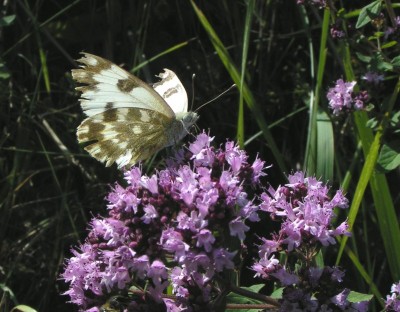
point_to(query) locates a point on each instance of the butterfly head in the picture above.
(188, 119)
(181, 126)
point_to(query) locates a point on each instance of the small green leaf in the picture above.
(277, 294)
(379, 63)
(363, 58)
(372, 123)
(385, 66)
(395, 120)
(389, 157)
(4, 72)
(376, 35)
(23, 308)
(368, 13)
(389, 44)
(7, 20)
(255, 288)
(358, 297)
(395, 61)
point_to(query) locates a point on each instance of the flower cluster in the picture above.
(185, 226)
(393, 29)
(342, 98)
(392, 302)
(305, 211)
(169, 228)
(337, 31)
(373, 78)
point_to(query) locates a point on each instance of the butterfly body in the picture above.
(128, 120)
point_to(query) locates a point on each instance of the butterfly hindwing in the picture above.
(124, 135)
(172, 91)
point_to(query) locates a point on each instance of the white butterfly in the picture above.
(128, 120)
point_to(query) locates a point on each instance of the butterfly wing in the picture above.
(124, 135)
(109, 86)
(127, 120)
(172, 91)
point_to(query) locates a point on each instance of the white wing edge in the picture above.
(172, 91)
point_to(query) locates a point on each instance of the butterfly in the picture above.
(128, 120)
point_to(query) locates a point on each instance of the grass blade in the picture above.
(246, 41)
(247, 95)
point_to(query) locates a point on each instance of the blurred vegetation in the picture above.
(50, 187)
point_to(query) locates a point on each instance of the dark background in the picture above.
(50, 187)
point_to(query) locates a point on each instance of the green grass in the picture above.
(282, 60)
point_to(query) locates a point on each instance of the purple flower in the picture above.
(172, 306)
(342, 98)
(265, 267)
(150, 213)
(336, 32)
(174, 228)
(286, 278)
(223, 259)
(268, 247)
(306, 211)
(258, 168)
(238, 228)
(340, 300)
(395, 288)
(150, 183)
(185, 212)
(392, 302)
(373, 77)
(205, 239)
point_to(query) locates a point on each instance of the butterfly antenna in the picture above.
(217, 97)
(191, 105)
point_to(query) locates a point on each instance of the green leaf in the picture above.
(363, 58)
(7, 20)
(255, 288)
(277, 294)
(389, 44)
(23, 308)
(385, 66)
(389, 157)
(376, 35)
(4, 72)
(311, 162)
(372, 123)
(245, 47)
(325, 147)
(236, 298)
(395, 120)
(239, 299)
(358, 297)
(368, 13)
(379, 63)
(395, 61)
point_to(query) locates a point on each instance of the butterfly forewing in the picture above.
(108, 85)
